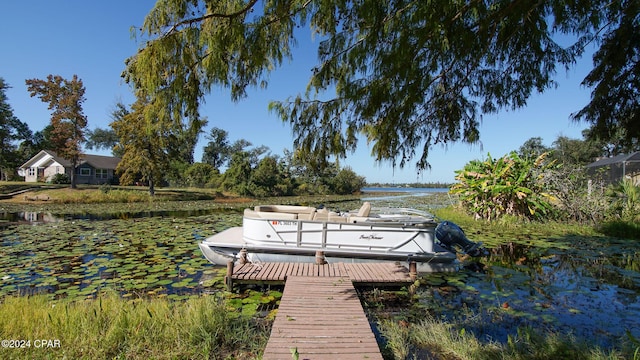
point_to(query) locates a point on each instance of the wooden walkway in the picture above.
(321, 318)
(377, 274)
(320, 315)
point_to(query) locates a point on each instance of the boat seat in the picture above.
(357, 219)
(365, 209)
(300, 212)
(326, 215)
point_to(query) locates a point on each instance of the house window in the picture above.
(101, 174)
(85, 172)
(31, 171)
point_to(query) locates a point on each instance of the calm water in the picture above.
(594, 300)
(588, 287)
(405, 190)
(399, 192)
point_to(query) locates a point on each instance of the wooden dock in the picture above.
(376, 274)
(321, 318)
(320, 315)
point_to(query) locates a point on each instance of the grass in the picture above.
(92, 194)
(622, 229)
(113, 328)
(436, 339)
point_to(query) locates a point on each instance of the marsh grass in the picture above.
(438, 339)
(113, 328)
(621, 229)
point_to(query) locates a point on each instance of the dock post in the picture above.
(320, 258)
(413, 272)
(229, 278)
(243, 256)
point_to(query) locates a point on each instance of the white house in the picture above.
(92, 169)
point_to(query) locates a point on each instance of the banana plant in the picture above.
(508, 185)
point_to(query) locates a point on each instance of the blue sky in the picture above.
(92, 39)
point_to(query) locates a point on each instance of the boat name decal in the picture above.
(371, 237)
(280, 222)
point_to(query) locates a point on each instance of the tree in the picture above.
(237, 176)
(347, 182)
(101, 139)
(11, 131)
(68, 122)
(614, 110)
(200, 174)
(185, 138)
(40, 140)
(143, 145)
(615, 143)
(532, 148)
(269, 179)
(575, 152)
(406, 74)
(217, 151)
(107, 138)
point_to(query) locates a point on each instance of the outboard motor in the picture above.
(450, 235)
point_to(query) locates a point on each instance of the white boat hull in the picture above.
(285, 237)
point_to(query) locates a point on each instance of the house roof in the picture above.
(633, 157)
(100, 161)
(96, 161)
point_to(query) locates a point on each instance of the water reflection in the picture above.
(524, 286)
(33, 217)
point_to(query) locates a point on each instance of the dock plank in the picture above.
(303, 322)
(374, 273)
(320, 314)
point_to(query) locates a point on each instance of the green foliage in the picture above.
(347, 182)
(176, 174)
(620, 229)
(268, 179)
(575, 152)
(60, 179)
(217, 151)
(12, 130)
(532, 148)
(113, 328)
(613, 110)
(144, 147)
(237, 176)
(200, 174)
(625, 203)
(102, 138)
(406, 75)
(508, 185)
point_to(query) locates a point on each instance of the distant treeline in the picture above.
(438, 185)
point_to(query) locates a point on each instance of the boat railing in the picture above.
(403, 211)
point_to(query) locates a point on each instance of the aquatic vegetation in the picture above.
(111, 327)
(136, 257)
(442, 339)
